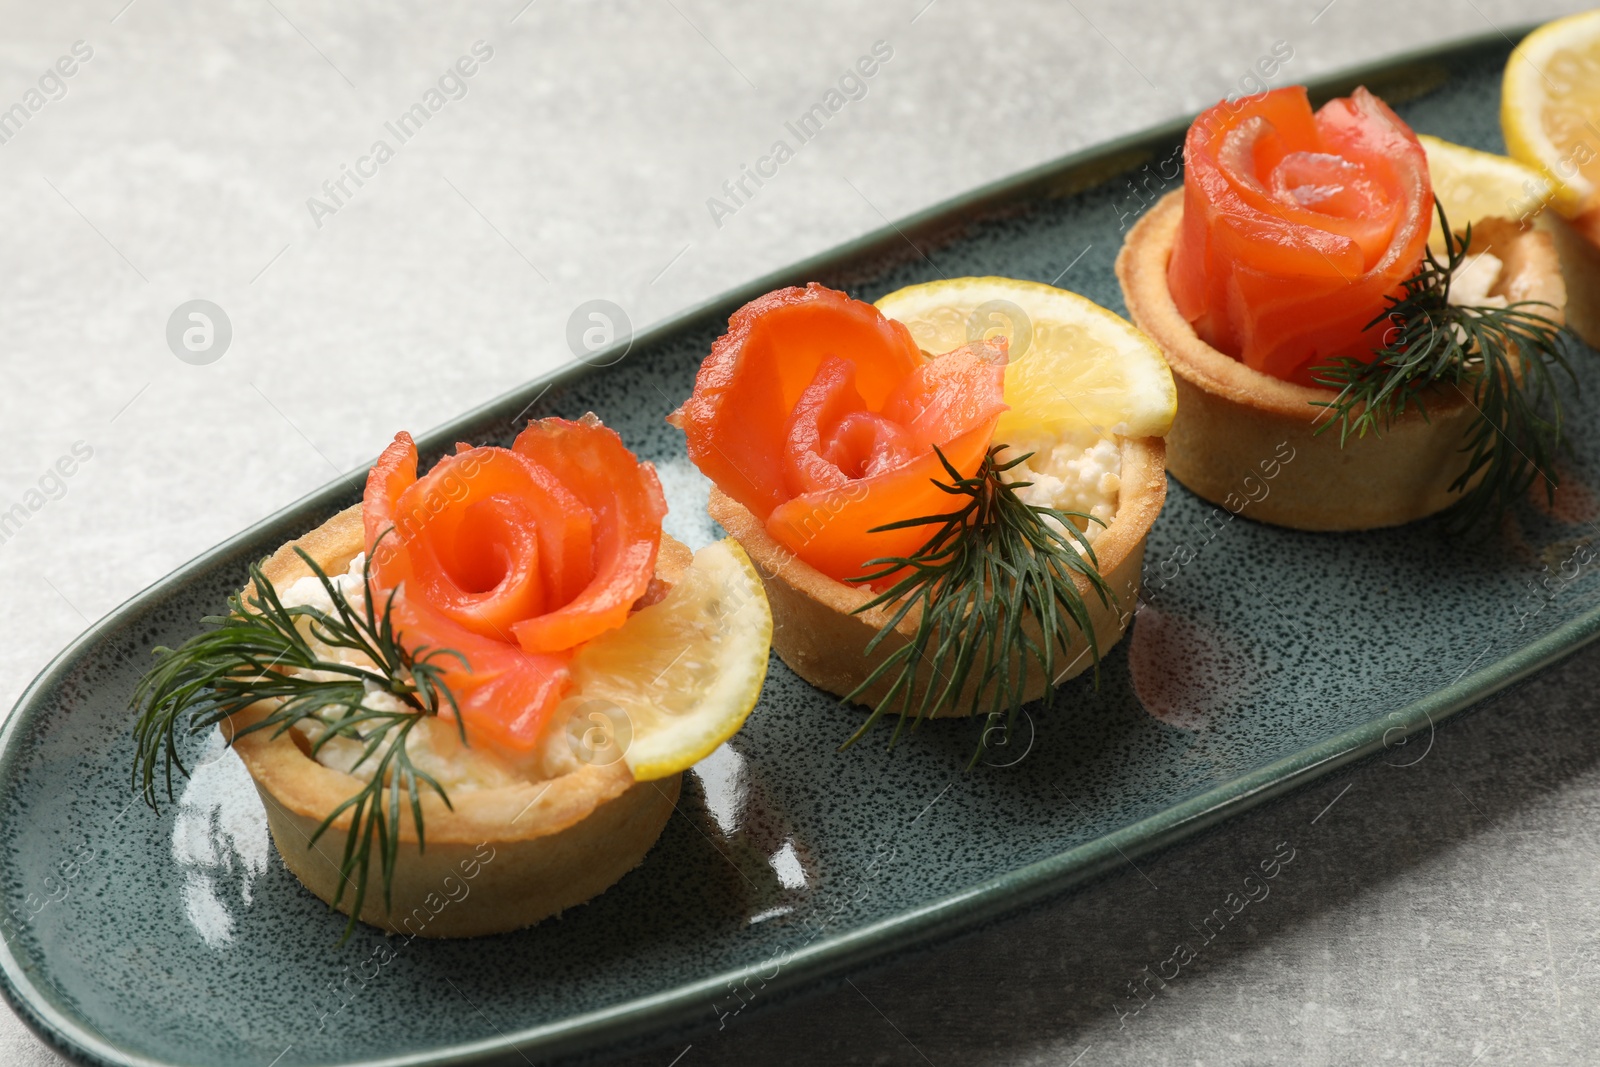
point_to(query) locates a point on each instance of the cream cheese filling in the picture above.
(1074, 470)
(1472, 280)
(434, 745)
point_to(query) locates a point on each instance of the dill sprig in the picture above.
(256, 654)
(992, 564)
(1502, 360)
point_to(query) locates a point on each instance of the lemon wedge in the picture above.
(680, 676)
(1072, 363)
(1550, 107)
(1474, 186)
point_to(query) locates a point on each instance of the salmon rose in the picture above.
(1297, 226)
(821, 416)
(513, 557)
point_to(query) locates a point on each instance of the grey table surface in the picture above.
(1442, 912)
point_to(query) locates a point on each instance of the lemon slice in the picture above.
(680, 676)
(1474, 185)
(1072, 363)
(1550, 107)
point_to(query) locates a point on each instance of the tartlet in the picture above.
(533, 849)
(1236, 424)
(819, 635)
(467, 702)
(821, 483)
(1295, 254)
(1577, 243)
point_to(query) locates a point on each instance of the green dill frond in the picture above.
(992, 565)
(1500, 360)
(255, 654)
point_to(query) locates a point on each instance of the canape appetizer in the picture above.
(497, 671)
(946, 495)
(1550, 114)
(1291, 286)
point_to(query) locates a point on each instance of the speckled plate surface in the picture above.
(1263, 659)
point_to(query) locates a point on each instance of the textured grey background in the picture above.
(1446, 912)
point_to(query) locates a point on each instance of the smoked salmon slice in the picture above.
(513, 558)
(821, 416)
(505, 693)
(1297, 226)
(624, 499)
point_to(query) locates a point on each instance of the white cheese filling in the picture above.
(1074, 471)
(1471, 282)
(434, 744)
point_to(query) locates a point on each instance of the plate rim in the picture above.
(918, 926)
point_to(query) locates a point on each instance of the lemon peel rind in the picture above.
(679, 745)
(1521, 99)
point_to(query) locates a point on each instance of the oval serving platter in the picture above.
(1260, 659)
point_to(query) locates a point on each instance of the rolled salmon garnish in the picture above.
(513, 558)
(821, 416)
(1297, 226)
(625, 499)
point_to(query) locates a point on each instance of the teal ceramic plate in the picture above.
(1263, 659)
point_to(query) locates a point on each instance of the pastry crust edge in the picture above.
(1248, 441)
(550, 845)
(818, 634)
